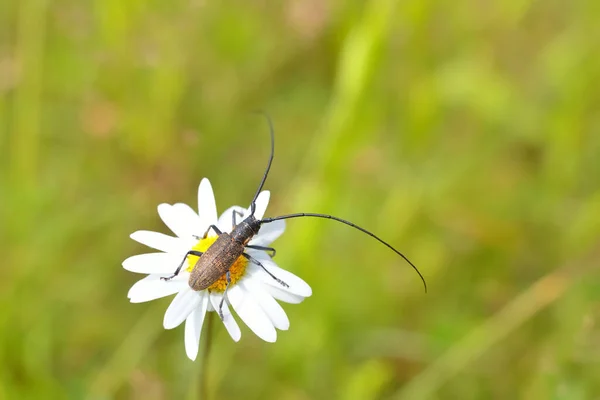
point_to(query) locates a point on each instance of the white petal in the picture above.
(268, 233)
(207, 208)
(159, 241)
(251, 313)
(153, 263)
(271, 307)
(151, 288)
(193, 327)
(282, 295)
(181, 307)
(296, 285)
(262, 201)
(181, 219)
(225, 220)
(228, 320)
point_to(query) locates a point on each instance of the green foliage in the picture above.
(465, 133)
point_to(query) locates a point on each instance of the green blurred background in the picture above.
(465, 133)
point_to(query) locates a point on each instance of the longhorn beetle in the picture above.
(228, 247)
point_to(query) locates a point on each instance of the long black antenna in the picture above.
(343, 221)
(264, 178)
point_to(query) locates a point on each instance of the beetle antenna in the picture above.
(264, 178)
(343, 221)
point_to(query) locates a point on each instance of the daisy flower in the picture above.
(252, 294)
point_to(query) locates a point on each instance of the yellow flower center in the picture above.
(237, 270)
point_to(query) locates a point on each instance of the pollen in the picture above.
(237, 270)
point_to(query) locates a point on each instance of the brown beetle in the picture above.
(222, 254)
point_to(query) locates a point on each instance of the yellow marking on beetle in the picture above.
(237, 270)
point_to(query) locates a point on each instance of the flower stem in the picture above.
(198, 389)
(203, 392)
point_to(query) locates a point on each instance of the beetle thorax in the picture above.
(245, 230)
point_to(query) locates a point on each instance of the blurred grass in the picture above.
(465, 133)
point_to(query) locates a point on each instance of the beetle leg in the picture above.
(228, 277)
(255, 261)
(233, 221)
(214, 228)
(255, 247)
(191, 252)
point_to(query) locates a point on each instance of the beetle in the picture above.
(222, 254)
